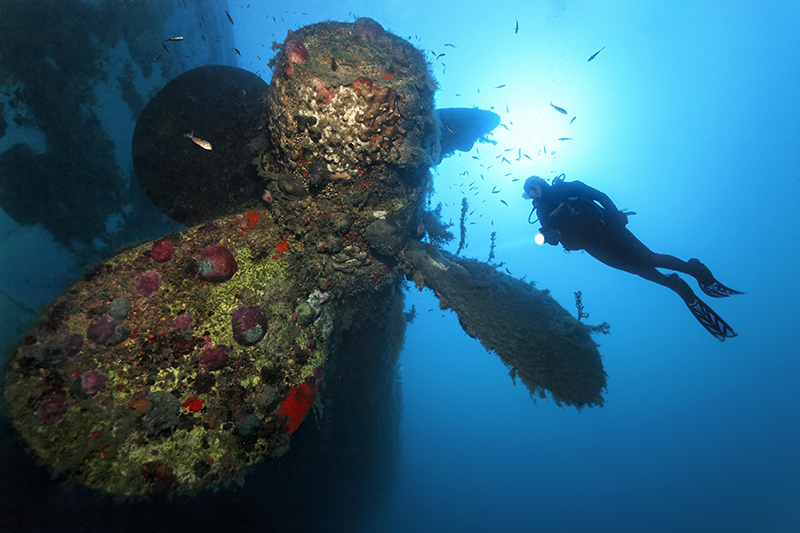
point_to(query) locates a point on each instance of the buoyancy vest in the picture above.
(577, 219)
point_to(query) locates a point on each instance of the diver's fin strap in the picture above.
(718, 290)
(711, 320)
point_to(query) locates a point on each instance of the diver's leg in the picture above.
(672, 281)
(622, 247)
(625, 252)
(710, 320)
(698, 271)
(693, 267)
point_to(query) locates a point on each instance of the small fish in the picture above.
(573, 119)
(507, 175)
(500, 86)
(545, 149)
(504, 203)
(559, 109)
(495, 191)
(508, 149)
(519, 154)
(202, 143)
(595, 54)
(479, 90)
(506, 127)
(157, 58)
(515, 179)
(565, 138)
(231, 20)
(449, 128)
(440, 55)
(504, 160)
(238, 53)
(450, 45)
(506, 108)
(165, 47)
(516, 26)
(529, 157)
(175, 39)
(475, 157)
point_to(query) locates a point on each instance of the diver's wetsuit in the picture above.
(572, 209)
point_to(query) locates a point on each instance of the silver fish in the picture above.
(595, 54)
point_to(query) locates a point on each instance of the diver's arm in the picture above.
(544, 219)
(593, 194)
(590, 193)
(550, 233)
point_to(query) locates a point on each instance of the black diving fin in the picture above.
(711, 320)
(718, 290)
(708, 284)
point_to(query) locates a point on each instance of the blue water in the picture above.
(689, 117)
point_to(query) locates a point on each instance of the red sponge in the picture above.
(296, 405)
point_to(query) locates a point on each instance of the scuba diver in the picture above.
(569, 213)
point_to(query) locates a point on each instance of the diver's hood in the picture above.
(530, 182)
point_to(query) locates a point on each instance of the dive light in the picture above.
(549, 237)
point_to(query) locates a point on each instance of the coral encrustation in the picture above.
(133, 405)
